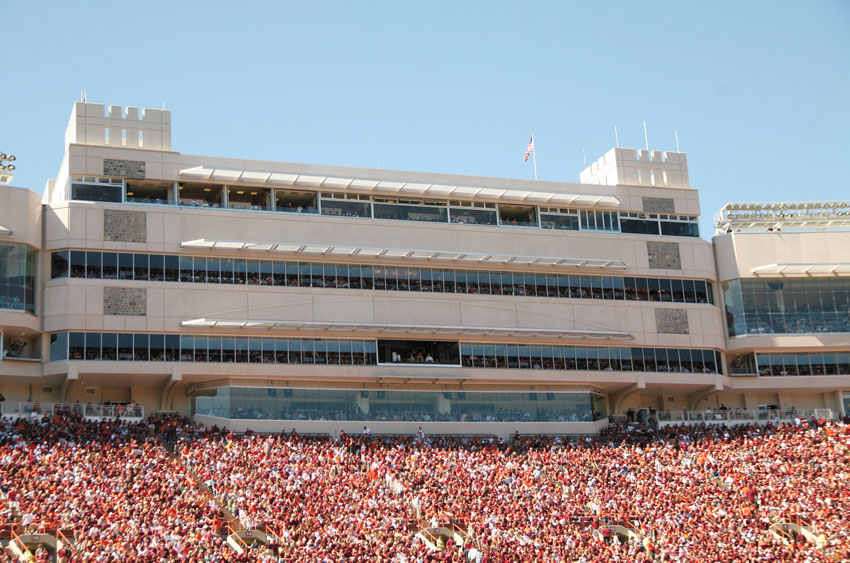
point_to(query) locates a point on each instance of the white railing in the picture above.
(736, 415)
(35, 408)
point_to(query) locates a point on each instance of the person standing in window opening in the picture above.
(429, 359)
(396, 358)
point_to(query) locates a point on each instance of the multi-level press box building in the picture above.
(276, 295)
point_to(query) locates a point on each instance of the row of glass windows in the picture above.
(181, 348)
(779, 306)
(18, 277)
(593, 358)
(804, 364)
(408, 406)
(353, 205)
(189, 269)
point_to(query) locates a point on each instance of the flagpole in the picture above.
(534, 154)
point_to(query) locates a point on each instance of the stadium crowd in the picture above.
(685, 493)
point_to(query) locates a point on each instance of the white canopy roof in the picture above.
(343, 327)
(5, 231)
(804, 269)
(385, 187)
(406, 255)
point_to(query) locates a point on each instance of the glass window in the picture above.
(157, 347)
(518, 215)
(414, 211)
(266, 272)
(473, 216)
(280, 351)
(172, 347)
(200, 269)
(679, 229)
(186, 273)
(125, 347)
(639, 226)
(346, 208)
(289, 201)
(561, 222)
(92, 346)
(108, 193)
(93, 260)
(140, 266)
(225, 267)
(140, 347)
(448, 281)
(59, 264)
(240, 272)
(156, 265)
(109, 346)
(76, 345)
(228, 350)
(78, 264)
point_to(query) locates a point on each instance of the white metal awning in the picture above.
(760, 216)
(386, 187)
(343, 327)
(346, 251)
(807, 269)
(5, 231)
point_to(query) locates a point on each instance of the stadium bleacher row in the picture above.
(171, 490)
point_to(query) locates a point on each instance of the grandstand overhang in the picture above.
(825, 269)
(441, 256)
(385, 187)
(6, 231)
(760, 216)
(409, 330)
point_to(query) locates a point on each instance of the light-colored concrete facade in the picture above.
(628, 311)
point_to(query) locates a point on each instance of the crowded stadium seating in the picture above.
(170, 490)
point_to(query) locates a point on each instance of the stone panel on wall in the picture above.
(124, 168)
(664, 255)
(125, 301)
(659, 205)
(124, 226)
(671, 321)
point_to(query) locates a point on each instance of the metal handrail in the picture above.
(28, 408)
(66, 540)
(718, 415)
(17, 539)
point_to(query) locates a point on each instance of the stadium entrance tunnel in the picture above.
(24, 546)
(436, 538)
(247, 540)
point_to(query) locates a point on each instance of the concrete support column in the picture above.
(695, 398)
(168, 389)
(616, 399)
(72, 376)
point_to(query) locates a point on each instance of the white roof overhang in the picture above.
(400, 329)
(385, 187)
(6, 231)
(826, 269)
(406, 255)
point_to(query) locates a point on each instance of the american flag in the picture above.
(529, 149)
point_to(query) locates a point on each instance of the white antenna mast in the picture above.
(676, 133)
(584, 152)
(645, 136)
(616, 137)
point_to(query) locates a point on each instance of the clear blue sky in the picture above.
(758, 90)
